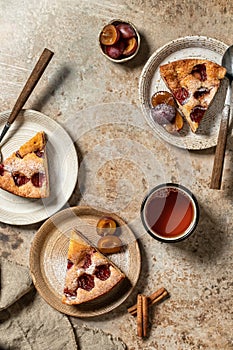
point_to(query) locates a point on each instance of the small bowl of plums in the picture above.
(119, 41)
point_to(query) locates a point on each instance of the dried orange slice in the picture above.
(109, 35)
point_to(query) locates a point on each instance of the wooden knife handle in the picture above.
(217, 171)
(31, 83)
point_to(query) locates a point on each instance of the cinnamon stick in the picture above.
(160, 297)
(139, 316)
(145, 315)
(152, 299)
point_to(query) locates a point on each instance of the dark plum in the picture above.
(1, 169)
(18, 154)
(163, 113)
(115, 51)
(181, 94)
(87, 261)
(126, 31)
(102, 272)
(38, 179)
(86, 282)
(202, 91)
(70, 293)
(199, 72)
(197, 113)
(40, 154)
(20, 179)
(69, 264)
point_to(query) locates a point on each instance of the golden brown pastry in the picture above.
(25, 172)
(89, 273)
(193, 83)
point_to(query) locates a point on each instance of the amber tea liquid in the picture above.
(169, 212)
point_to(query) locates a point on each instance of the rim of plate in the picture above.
(48, 259)
(26, 211)
(191, 141)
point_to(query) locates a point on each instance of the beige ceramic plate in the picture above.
(62, 157)
(48, 260)
(151, 82)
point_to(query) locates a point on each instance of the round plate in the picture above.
(62, 157)
(151, 82)
(48, 260)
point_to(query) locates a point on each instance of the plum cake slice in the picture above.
(89, 273)
(193, 83)
(25, 172)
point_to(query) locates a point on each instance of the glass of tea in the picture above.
(170, 212)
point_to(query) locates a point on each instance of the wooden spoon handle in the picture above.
(31, 83)
(216, 178)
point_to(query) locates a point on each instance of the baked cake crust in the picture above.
(25, 172)
(193, 83)
(89, 273)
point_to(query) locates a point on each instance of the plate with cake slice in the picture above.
(72, 273)
(35, 176)
(182, 91)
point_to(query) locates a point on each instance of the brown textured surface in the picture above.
(120, 158)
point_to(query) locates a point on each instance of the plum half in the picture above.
(109, 35)
(165, 111)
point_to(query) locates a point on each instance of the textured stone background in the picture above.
(120, 159)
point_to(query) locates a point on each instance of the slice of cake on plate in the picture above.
(89, 273)
(25, 172)
(193, 83)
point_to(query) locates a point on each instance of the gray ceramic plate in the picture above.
(151, 82)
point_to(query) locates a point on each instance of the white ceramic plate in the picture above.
(62, 157)
(151, 82)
